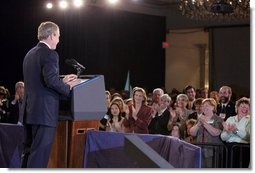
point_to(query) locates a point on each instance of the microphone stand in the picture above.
(79, 70)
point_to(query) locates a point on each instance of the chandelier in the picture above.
(215, 9)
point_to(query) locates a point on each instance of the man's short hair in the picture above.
(46, 29)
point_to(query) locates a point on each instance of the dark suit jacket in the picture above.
(158, 124)
(13, 111)
(193, 115)
(230, 110)
(42, 86)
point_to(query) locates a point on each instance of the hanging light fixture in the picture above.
(215, 9)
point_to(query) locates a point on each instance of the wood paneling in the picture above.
(69, 143)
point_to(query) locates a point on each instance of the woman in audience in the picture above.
(207, 130)
(138, 116)
(114, 95)
(198, 109)
(128, 101)
(114, 123)
(237, 131)
(180, 113)
(121, 104)
(160, 116)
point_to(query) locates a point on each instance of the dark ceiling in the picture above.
(169, 9)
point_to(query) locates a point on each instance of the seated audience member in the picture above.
(156, 94)
(176, 131)
(203, 93)
(207, 130)
(190, 91)
(149, 99)
(124, 94)
(190, 123)
(237, 131)
(128, 102)
(214, 95)
(226, 107)
(15, 104)
(116, 95)
(173, 94)
(160, 117)
(138, 116)
(3, 105)
(198, 111)
(102, 122)
(114, 123)
(179, 113)
(122, 105)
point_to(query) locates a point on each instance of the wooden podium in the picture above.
(78, 114)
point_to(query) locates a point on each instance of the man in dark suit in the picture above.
(41, 100)
(190, 91)
(226, 107)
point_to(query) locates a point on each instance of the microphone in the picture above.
(72, 62)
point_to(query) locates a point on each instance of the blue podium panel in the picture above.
(87, 101)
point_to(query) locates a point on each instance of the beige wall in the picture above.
(185, 58)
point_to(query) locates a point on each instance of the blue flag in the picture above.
(128, 86)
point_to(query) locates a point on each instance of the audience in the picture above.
(190, 123)
(202, 93)
(215, 96)
(156, 94)
(179, 113)
(160, 117)
(176, 131)
(3, 105)
(128, 101)
(198, 109)
(207, 130)
(138, 116)
(237, 131)
(190, 91)
(16, 102)
(213, 120)
(114, 123)
(226, 107)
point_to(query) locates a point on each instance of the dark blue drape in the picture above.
(11, 137)
(106, 150)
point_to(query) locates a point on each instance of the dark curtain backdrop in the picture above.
(230, 59)
(105, 40)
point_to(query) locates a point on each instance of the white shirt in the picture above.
(45, 43)
(161, 112)
(243, 133)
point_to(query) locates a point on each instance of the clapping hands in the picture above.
(134, 112)
(229, 127)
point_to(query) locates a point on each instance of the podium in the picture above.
(77, 114)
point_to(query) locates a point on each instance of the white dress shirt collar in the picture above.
(45, 43)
